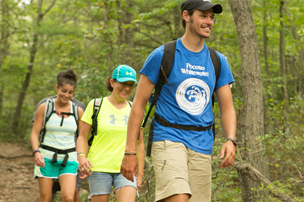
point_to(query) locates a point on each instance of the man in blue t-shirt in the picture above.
(181, 157)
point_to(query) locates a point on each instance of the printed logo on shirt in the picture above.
(193, 95)
(115, 120)
(194, 70)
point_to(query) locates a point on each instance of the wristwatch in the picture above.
(233, 140)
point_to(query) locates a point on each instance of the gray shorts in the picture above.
(180, 170)
(101, 183)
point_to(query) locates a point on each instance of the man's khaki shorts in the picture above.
(180, 170)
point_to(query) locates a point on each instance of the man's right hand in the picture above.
(129, 167)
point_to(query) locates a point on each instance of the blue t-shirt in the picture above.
(187, 100)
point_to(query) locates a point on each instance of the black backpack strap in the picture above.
(58, 151)
(166, 123)
(49, 109)
(216, 62)
(150, 138)
(217, 69)
(164, 73)
(96, 109)
(130, 103)
(75, 114)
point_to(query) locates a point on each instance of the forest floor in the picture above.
(16, 168)
(16, 171)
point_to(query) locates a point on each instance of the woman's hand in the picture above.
(85, 166)
(39, 160)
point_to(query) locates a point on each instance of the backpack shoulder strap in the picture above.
(130, 103)
(216, 62)
(217, 69)
(75, 111)
(166, 66)
(75, 114)
(164, 73)
(49, 109)
(96, 109)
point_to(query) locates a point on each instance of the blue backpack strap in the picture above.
(96, 109)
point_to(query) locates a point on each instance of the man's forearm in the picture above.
(228, 121)
(134, 123)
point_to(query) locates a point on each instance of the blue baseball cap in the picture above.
(124, 73)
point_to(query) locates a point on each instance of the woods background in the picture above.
(262, 40)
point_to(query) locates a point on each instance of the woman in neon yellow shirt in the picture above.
(102, 164)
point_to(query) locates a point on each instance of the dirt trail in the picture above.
(16, 171)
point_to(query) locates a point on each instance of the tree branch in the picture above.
(213, 191)
(256, 176)
(49, 8)
(159, 42)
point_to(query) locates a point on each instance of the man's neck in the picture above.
(194, 44)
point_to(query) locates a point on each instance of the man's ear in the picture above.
(56, 87)
(186, 16)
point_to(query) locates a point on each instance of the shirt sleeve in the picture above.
(225, 76)
(87, 115)
(152, 65)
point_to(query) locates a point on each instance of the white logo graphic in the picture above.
(193, 95)
(129, 73)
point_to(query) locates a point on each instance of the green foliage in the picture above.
(75, 35)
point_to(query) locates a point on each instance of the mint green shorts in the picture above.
(54, 170)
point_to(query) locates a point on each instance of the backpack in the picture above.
(96, 109)
(49, 110)
(165, 70)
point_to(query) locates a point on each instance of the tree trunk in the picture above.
(129, 34)
(251, 117)
(105, 16)
(30, 68)
(282, 62)
(4, 44)
(265, 40)
(301, 54)
(120, 23)
(179, 31)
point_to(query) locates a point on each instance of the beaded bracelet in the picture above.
(35, 152)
